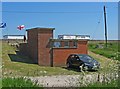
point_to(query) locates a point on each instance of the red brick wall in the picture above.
(23, 48)
(44, 47)
(38, 45)
(33, 45)
(60, 54)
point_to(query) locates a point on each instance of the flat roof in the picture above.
(68, 39)
(13, 35)
(72, 35)
(38, 28)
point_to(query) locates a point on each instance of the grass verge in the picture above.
(18, 82)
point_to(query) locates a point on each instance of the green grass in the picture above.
(105, 56)
(110, 52)
(113, 83)
(0, 83)
(109, 60)
(18, 82)
(14, 68)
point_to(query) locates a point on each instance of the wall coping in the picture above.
(40, 28)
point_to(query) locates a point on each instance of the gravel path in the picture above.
(57, 81)
(72, 80)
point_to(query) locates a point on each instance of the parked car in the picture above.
(83, 61)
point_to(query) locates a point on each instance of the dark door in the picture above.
(51, 57)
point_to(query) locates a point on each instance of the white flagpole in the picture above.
(7, 34)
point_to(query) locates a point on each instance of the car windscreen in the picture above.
(86, 58)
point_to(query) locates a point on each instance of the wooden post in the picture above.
(105, 27)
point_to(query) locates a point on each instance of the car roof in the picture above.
(79, 54)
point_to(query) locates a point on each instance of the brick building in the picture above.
(46, 51)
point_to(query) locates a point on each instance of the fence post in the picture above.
(98, 77)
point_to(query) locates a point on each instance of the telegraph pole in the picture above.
(105, 27)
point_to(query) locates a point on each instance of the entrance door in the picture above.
(51, 57)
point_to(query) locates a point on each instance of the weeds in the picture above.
(113, 83)
(18, 82)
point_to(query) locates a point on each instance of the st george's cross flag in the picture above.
(20, 27)
(2, 25)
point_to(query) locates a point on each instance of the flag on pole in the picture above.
(2, 25)
(20, 27)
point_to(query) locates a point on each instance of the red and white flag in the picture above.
(20, 27)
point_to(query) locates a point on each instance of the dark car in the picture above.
(83, 61)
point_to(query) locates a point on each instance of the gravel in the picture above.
(72, 80)
(57, 81)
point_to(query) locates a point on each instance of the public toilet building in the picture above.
(47, 51)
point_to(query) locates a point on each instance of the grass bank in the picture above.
(12, 66)
(110, 52)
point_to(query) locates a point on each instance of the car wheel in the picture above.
(68, 65)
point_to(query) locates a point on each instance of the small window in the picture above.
(57, 44)
(66, 44)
